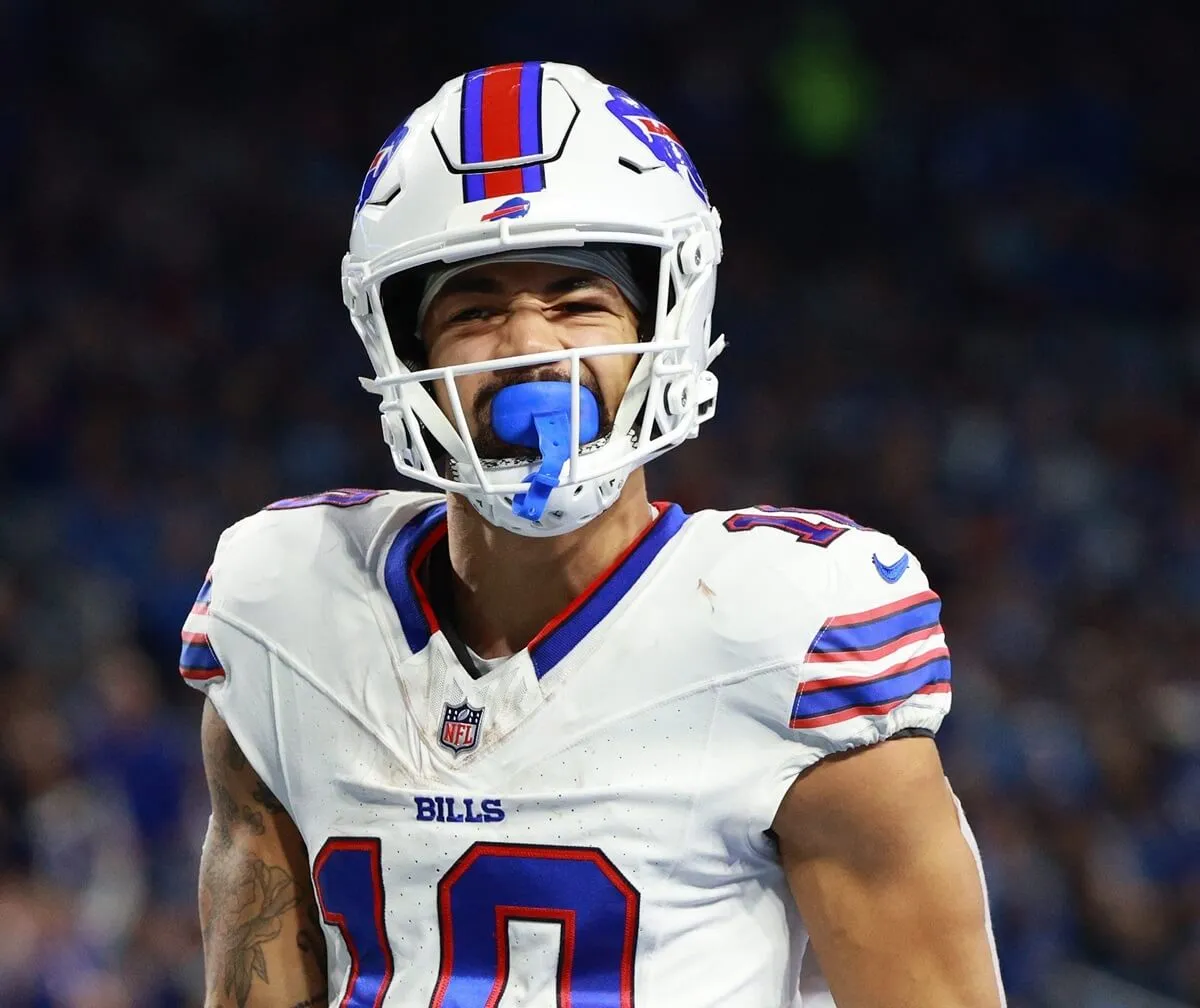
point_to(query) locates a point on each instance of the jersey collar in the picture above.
(413, 544)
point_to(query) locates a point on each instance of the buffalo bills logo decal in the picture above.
(656, 135)
(379, 164)
(515, 207)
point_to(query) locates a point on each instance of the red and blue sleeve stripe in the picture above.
(824, 704)
(502, 120)
(886, 655)
(860, 634)
(198, 662)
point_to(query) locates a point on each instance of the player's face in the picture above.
(501, 310)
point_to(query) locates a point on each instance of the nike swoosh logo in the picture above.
(891, 573)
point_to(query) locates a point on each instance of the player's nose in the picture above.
(527, 329)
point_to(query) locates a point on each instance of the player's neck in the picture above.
(507, 587)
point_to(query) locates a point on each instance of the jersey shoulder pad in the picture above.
(306, 537)
(866, 655)
(832, 556)
(784, 565)
(273, 564)
(881, 649)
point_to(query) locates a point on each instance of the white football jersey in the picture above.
(585, 823)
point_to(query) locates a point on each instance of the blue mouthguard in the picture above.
(537, 415)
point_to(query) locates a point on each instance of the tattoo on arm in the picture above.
(264, 894)
(248, 903)
(236, 760)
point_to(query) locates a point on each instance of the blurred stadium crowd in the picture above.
(962, 291)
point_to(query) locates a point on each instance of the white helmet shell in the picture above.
(533, 156)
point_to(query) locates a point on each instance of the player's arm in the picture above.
(263, 946)
(886, 881)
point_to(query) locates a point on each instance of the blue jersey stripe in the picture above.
(558, 643)
(547, 651)
(870, 692)
(413, 620)
(198, 656)
(875, 633)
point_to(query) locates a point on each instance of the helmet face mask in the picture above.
(598, 173)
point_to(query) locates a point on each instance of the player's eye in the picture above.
(581, 307)
(471, 313)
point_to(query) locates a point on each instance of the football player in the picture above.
(528, 739)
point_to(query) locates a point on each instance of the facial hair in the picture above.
(490, 446)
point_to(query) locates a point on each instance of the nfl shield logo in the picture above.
(460, 727)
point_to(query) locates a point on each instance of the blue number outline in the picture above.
(505, 913)
(372, 847)
(565, 916)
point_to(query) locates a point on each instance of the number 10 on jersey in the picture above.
(577, 888)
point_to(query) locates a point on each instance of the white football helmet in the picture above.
(529, 156)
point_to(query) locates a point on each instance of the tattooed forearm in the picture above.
(254, 918)
(317, 1001)
(263, 942)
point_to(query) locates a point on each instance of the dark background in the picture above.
(962, 254)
